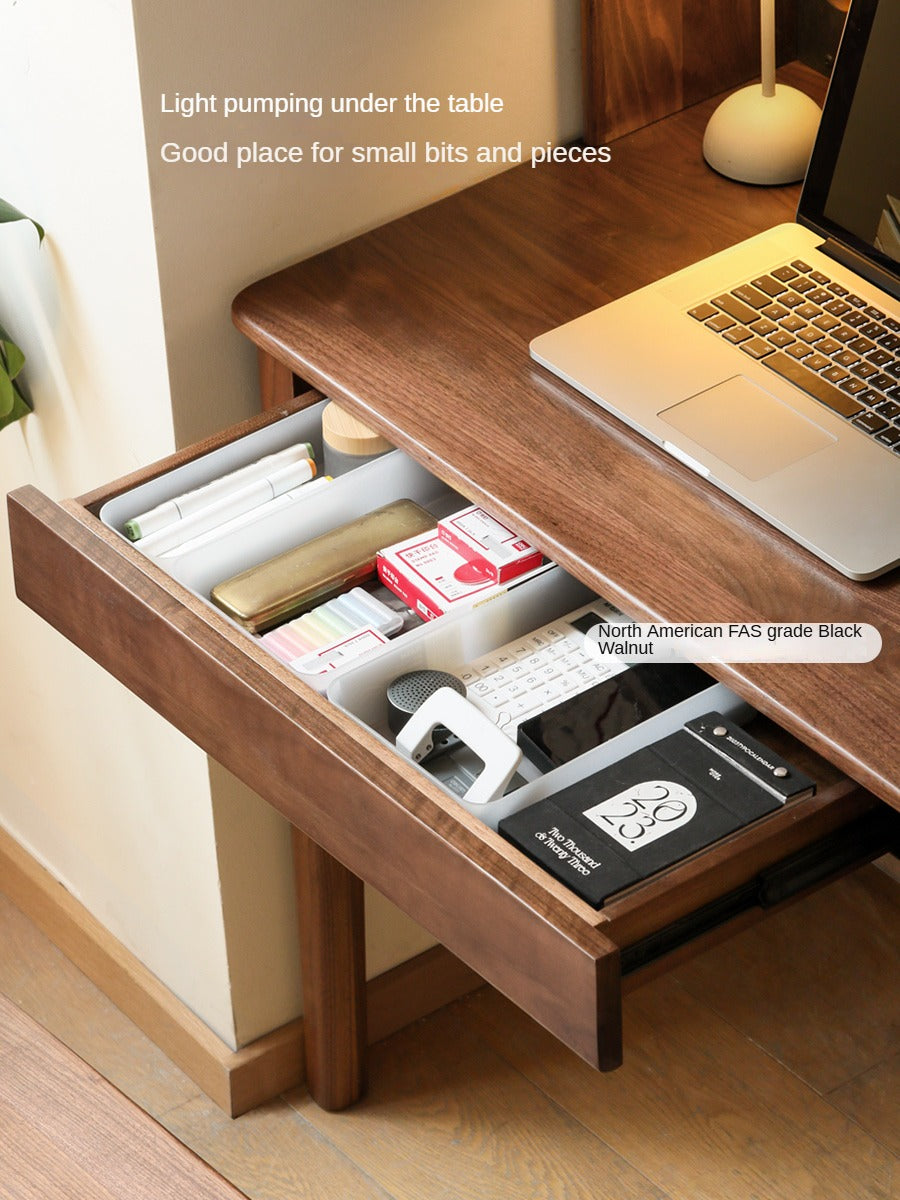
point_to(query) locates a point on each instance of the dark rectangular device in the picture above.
(579, 723)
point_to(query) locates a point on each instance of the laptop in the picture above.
(773, 369)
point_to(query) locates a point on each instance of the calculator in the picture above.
(533, 673)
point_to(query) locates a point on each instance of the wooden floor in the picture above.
(767, 1069)
(67, 1132)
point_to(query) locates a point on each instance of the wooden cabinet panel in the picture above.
(645, 59)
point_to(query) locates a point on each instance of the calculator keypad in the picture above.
(533, 673)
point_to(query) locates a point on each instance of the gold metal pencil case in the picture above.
(313, 572)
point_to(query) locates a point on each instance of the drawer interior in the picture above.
(446, 644)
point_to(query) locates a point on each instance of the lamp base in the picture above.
(762, 139)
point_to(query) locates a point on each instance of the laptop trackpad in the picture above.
(747, 427)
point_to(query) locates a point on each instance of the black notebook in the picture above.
(654, 807)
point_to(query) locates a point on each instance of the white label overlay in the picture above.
(736, 642)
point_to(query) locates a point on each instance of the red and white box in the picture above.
(431, 577)
(479, 537)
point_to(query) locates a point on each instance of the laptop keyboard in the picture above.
(820, 336)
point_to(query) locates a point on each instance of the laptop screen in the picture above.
(852, 187)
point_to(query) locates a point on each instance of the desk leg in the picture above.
(331, 918)
(276, 381)
(332, 959)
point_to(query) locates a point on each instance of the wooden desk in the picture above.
(422, 327)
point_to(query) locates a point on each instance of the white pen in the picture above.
(244, 500)
(180, 507)
(262, 512)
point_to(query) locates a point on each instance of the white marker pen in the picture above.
(179, 507)
(246, 498)
(261, 513)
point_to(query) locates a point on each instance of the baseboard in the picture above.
(235, 1080)
(415, 989)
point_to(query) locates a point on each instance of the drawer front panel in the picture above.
(323, 773)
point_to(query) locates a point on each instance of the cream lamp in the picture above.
(763, 133)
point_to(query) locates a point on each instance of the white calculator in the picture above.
(535, 672)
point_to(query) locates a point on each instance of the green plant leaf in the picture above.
(13, 404)
(9, 212)
(7, 394)
(12, 357)
(21, 408)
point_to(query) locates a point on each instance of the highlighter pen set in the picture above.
(333, 632)
(228, 503)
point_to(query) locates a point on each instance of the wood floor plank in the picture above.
(818, 985)
(873, 1101)
(42, 981)
(478, 1101)
(446, 1117)
(32, 1167)
(270, 1153)
(65, 1131)
(697, 1108)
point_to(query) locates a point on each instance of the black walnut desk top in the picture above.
(422, 327)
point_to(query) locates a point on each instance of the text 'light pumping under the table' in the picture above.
(763, 133)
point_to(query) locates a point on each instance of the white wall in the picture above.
(219, 228)
(106, 794)
(116, 804)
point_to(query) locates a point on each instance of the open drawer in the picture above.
(382, 817)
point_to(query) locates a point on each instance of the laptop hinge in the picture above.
(862, 266)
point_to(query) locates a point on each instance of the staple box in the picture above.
(431, 577)
(482, 539)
